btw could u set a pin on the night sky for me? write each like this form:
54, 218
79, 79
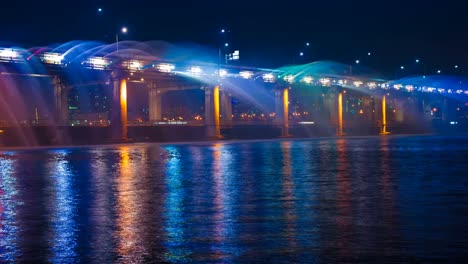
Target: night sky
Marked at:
268, 33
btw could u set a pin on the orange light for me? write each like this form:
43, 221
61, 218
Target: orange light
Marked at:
216, 110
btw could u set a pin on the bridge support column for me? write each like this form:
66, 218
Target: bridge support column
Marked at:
212, 121
155, 107
445, 110
340, 131
226, 109
60, 101
383, 128
282, 110
399, 110
119, 109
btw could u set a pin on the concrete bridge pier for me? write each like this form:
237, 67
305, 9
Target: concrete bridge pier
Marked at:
119, 108
226, 109
155, 107
212, 107
61, 92
384, 124
334, 101
400, 110
282, 110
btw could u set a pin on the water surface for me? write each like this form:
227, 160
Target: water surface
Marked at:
353, 200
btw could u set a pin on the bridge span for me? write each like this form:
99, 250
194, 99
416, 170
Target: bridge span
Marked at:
324, 93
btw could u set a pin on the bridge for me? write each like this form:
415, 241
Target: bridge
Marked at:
326, 93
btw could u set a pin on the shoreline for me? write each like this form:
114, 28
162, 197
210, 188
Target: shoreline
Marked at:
222, 141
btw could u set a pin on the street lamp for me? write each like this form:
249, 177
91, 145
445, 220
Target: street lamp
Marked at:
124, 30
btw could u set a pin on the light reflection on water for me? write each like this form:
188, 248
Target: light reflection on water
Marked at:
62, 208
357, 200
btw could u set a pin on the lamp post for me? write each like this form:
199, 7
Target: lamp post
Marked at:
124, 30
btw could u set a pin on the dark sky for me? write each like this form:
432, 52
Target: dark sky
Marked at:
268, 33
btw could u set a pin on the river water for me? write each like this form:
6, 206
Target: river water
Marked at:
389, 199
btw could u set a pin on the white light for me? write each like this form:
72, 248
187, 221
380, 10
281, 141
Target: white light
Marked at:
52, 58
289, 78
409, 87
372, 85
402, 67
306, 122
397, 86
438, 71
456, 66
368, 54
268, 77
307, 44
246, 74
195, 70
99, 10
124, 30
307, 79
357, 61
223, 73
98, 62
8, 54
222, 30
301, 54
325, 81
453, 122
165, 67
135, 65
226, 44
235, 55
417, 61
357, 83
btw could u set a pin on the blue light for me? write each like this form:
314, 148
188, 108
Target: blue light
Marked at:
226, 44
99, 10
307, 44
222, 30
357, 61
438, 71
402, 67
417, 60
456, 66
301, 54
368, 54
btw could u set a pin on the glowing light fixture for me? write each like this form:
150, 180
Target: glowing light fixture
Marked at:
307, 79
289, 78
165, 67
268, 77
97, 63
409, 87
195, 70
357, 61
325, 81
246, 74
357, 83
8, 54
52, 58
372, 85
124, 29
223, 73
134, 65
